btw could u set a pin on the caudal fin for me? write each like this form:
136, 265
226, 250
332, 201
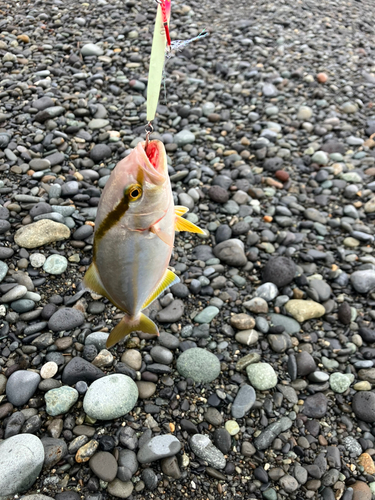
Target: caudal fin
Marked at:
128, 325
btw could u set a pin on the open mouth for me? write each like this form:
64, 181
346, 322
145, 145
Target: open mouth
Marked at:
152, 153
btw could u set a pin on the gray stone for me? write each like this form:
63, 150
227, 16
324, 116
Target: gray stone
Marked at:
198, 364
21, 460
291, 325
231, 252
91, 49
244, 401
202, 446
21, 386
280, 271
184, 137
65, 319
54, 450
363, 281
265, 439
110, 397
159, 447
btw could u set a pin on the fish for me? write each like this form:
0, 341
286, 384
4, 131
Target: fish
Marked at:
134, 237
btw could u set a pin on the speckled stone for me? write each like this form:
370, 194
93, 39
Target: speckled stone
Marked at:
110, 397
198, 364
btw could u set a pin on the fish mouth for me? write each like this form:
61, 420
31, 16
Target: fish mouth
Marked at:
155, 161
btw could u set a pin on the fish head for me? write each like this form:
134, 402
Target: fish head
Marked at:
138, 192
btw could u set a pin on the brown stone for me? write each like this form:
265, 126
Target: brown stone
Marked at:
242, 321
87, 451
367, 463
322, 77
361, 491
63, 343
282, 175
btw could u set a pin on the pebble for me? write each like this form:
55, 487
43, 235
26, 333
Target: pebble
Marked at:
303, 310
243, 402
55, 264
199, 365
21, 386
104, 466
60, 400
21, 461
261, 376
65, 319
364, 406
42, 232
202, 446
110, 397
158, 447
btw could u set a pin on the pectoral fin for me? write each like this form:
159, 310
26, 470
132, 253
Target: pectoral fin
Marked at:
185, 225
127, 325
166, 238
93, 282
168, 280
180, 210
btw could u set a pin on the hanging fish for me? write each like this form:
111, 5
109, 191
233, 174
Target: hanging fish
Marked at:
134, 237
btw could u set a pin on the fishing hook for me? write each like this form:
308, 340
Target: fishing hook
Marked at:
148, 133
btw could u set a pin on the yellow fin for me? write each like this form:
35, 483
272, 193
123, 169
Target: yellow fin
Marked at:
93, 282
168, 280
128, 325
185, 225
168, 240
180, 210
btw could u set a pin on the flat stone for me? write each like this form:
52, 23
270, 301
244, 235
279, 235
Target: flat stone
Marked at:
364, 406
303, 310
21, 461
104, 465
42, 232
243, 402
158, 447
66, 318
363, 281
120, 489
266, 438
110, 397
206, 315
91, 49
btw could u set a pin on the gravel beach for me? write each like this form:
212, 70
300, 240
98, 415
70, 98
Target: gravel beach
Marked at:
260, 385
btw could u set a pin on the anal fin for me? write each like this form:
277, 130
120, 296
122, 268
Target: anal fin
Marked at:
168, 280
127, 325
185, 225
93, 282
180, 210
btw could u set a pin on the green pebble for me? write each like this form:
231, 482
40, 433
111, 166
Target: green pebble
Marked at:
60, 400
198, 364
207, 315
262, 376
340, 382
55, 264
270, 494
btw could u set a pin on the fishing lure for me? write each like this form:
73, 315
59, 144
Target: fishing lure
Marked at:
160, 41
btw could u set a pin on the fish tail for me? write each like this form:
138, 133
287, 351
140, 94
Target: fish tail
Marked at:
128, 324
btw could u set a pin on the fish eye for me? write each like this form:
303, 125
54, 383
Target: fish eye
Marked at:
134, 192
